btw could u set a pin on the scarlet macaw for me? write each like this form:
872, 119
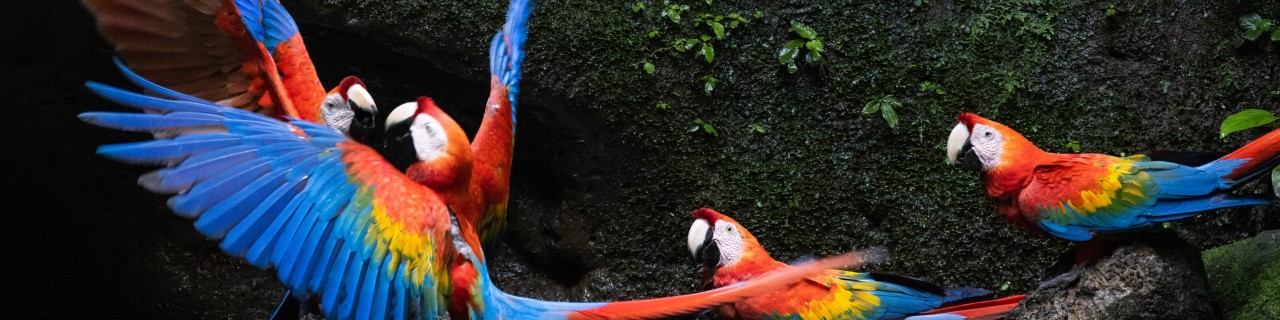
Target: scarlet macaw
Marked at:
732, 255
339, 221
494, 143
1074, 196
246, 54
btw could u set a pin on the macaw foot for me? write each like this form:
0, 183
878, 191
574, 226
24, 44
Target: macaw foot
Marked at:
1065, 279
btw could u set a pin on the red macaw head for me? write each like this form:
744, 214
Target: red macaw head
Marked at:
350, 109
984, 145
429, 146
716, 240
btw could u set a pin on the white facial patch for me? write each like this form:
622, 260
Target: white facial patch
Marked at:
428, 137
697, 233
335, 113
361, 98
988, 144
400, 114
730, 242
954, 142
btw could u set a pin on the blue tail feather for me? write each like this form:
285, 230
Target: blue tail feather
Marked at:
1169, 210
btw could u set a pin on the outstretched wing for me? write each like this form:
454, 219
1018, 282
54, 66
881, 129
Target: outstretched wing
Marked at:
330, 214
241, 53
494, 142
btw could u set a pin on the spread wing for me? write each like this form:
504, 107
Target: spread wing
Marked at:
241, 53
1074, 196
329, 214
494, 142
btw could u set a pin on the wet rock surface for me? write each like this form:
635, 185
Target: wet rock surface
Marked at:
1155, 275
604, 181
1244, 277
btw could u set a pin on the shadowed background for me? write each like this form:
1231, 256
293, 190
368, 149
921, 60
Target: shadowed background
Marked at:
604, 180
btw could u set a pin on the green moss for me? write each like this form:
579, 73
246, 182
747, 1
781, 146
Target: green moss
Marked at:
824, 178
1244, 277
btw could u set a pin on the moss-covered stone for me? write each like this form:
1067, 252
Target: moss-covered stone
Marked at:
1244, 277
605, 180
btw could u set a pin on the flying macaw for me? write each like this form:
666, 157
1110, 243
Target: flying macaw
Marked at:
339, 221
732, 254
246, 54
1074, 196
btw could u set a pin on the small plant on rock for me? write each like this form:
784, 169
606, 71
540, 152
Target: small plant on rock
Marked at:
809, 40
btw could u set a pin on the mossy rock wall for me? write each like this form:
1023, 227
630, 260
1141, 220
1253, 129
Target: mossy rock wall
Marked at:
605, 180
1244, 277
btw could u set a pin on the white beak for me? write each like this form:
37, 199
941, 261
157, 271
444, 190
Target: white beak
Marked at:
358, 95
400, 114
697, 235
956, 141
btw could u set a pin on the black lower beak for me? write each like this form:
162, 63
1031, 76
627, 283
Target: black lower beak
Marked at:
364, 126
709, 253
969, 158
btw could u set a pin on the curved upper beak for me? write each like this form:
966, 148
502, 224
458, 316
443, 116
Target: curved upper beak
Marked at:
960, 150
702, 248
365, 126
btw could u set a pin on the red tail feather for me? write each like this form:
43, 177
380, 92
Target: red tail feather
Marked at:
1260, 152
686, 304
981, 310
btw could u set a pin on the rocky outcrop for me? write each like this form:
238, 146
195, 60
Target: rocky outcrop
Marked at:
1148, 276
1244, 277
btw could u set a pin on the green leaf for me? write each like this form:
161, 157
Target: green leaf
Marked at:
705, 38
708, 1
1275, 181
684, 44
1073, 145
1254, 26
803, 30
710, 129
718, 29
648, 67
1247, 119
637, 7
815, 56
789, 51
662, 105
708, 51
1275, 36
814, 45
872, 106
757, 128
709, 84
653, 33
733, 24
791, 67
889, 116
758, 14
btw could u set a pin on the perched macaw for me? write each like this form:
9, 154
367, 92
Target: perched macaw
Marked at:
732, 254
1074, 196
339, 221
494, 142
246, 54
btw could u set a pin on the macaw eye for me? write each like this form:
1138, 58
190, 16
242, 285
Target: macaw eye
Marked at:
987, 134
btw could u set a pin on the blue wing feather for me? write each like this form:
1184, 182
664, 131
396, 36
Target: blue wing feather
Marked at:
272, 196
